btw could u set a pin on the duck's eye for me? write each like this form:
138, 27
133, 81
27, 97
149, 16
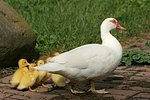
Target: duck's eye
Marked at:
25, 62
113, 21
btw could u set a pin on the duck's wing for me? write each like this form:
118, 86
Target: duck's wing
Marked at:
83, 56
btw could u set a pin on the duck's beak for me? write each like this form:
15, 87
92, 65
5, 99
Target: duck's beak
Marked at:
120, 27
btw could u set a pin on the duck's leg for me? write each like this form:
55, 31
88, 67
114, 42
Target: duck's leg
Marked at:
92, 89
55, 85
75, 91
37, 86
31, 89
44, 85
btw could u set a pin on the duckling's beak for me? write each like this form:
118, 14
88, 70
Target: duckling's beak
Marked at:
28, 64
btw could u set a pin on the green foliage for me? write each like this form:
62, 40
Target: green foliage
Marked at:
66, 24
1, 81
134, 57
134, 44
147, 44
125, 87
141, 39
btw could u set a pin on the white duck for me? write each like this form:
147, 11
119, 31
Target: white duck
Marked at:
89, 63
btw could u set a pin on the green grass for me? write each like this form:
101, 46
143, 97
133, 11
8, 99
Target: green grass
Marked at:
66, 24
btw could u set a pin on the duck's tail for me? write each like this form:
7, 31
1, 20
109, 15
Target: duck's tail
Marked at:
51, 67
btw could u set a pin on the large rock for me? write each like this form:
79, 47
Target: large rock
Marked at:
17, 38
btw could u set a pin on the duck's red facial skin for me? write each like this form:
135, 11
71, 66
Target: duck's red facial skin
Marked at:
113, 21
117, 24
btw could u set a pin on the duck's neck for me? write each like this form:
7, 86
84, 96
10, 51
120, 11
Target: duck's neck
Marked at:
110, 41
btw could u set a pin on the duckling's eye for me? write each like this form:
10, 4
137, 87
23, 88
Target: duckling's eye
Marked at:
24, 62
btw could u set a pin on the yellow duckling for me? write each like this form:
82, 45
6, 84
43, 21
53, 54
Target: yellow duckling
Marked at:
48, 59
28, 79
41, 73
47, 76
56, 53
20, 72
58, 80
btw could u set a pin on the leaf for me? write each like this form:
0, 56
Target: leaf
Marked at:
147, 44
136, 57
126, 52
127, 61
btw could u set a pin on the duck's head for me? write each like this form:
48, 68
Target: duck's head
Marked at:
111, 23
40, 63
32, 65
23, 63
